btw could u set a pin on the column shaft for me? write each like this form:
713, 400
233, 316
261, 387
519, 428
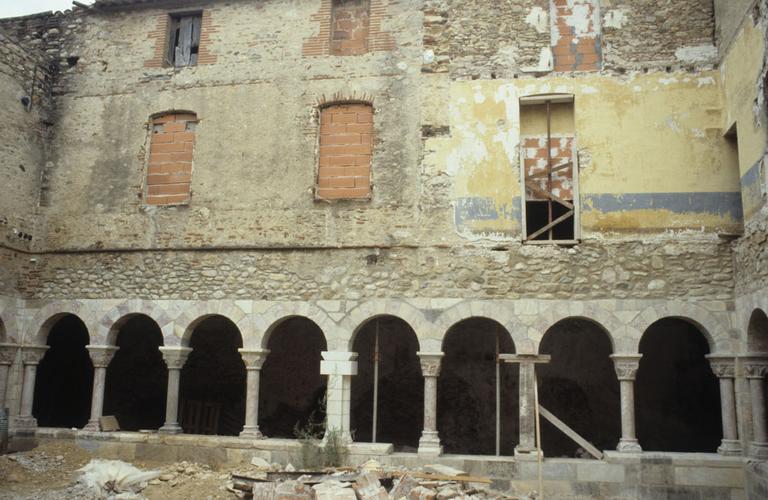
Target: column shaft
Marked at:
758, 410
626, 366
429, 443
253, 360
97, 398
4, 369
527, 424
171, 425
28, 390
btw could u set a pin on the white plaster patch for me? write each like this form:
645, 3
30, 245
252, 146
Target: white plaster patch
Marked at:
698, 133
539, 19
546, 61
429, 56
586, 89
583, 19
673, 124
668, 81
479, 97
697, 54
615, 18
470, 151
705, 80
637, 88
508, 134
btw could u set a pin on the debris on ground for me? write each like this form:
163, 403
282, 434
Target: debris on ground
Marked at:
56, 470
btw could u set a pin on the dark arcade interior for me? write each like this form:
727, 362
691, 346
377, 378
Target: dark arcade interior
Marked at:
677, 397
64, 381
466, 389
137, 377
400, 413
212, 392
292, 390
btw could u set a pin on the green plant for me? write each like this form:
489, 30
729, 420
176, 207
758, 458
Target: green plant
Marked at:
320, 447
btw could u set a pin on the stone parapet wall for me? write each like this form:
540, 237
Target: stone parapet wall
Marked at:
594, 269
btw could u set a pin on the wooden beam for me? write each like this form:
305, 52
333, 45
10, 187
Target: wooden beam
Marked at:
570, 433
551, 224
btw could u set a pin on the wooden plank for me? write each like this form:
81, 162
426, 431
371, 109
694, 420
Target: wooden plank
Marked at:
551, 224
570, 433
544, 173
184, 46
536, 189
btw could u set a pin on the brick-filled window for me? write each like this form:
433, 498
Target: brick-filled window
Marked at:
350, 23
169, 173
346, 148
576, 35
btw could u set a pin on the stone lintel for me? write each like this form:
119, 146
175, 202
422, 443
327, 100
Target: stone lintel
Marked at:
338, 363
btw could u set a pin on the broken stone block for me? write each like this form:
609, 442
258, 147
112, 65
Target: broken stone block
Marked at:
334, 490
260, 463
368, 487
443, 470
403, 487
422, 493
263, 491
293, 490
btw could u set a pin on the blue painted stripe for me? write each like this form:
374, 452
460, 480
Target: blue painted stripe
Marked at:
484, 208
751, 176
719, 203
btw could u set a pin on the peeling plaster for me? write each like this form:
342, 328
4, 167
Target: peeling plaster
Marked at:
615, 18
539, 19
707, 80
697, 54
546, 62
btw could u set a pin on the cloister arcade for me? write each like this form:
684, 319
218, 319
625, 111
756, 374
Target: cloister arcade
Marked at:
662, 381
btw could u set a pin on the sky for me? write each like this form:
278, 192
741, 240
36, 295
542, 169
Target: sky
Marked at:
12, 8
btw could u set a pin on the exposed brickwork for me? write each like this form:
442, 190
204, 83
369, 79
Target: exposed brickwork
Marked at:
576, 35
535, 158
160, 36
169, 173
350, 23
355, 38
346, 146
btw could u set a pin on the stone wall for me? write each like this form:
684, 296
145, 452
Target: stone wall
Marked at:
694, 269
751, 258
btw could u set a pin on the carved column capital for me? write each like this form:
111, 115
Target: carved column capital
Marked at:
101, 355
755, 365
32, 354
175, 357
626, 365
723, 365
430, 363
253, 358
8, 353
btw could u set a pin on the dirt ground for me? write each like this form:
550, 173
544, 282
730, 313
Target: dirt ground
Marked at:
50, 472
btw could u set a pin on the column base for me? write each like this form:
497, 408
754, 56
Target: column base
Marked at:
24, 425
729, 448
251, 433
525, 453
429, 444
93, 426
173, 428
758, 450
629, 446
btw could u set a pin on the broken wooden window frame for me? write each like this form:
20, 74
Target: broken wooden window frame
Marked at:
573, 207
183, 38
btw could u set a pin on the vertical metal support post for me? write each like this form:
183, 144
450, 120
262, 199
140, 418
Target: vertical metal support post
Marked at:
375, 383
498, 396
549, 165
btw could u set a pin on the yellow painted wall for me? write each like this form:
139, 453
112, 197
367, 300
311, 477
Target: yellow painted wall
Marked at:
654, 133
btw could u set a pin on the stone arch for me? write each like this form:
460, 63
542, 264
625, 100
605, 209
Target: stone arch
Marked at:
115, 318
603, 318
195, 314
713, 329
487, 310
276, 315
757, 331
46, 317
364, 313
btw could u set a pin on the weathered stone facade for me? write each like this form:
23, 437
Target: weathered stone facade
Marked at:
431, 228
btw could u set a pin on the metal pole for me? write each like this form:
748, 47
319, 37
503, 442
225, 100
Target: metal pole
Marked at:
375, 382
498, 397
539, 451
549, 165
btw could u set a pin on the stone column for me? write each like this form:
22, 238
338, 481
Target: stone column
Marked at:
724, 367
626, 366
30, 357
755, 369
527, 444
174, 358
254, 360
429, 443
340, 366
7, 355
101, 355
